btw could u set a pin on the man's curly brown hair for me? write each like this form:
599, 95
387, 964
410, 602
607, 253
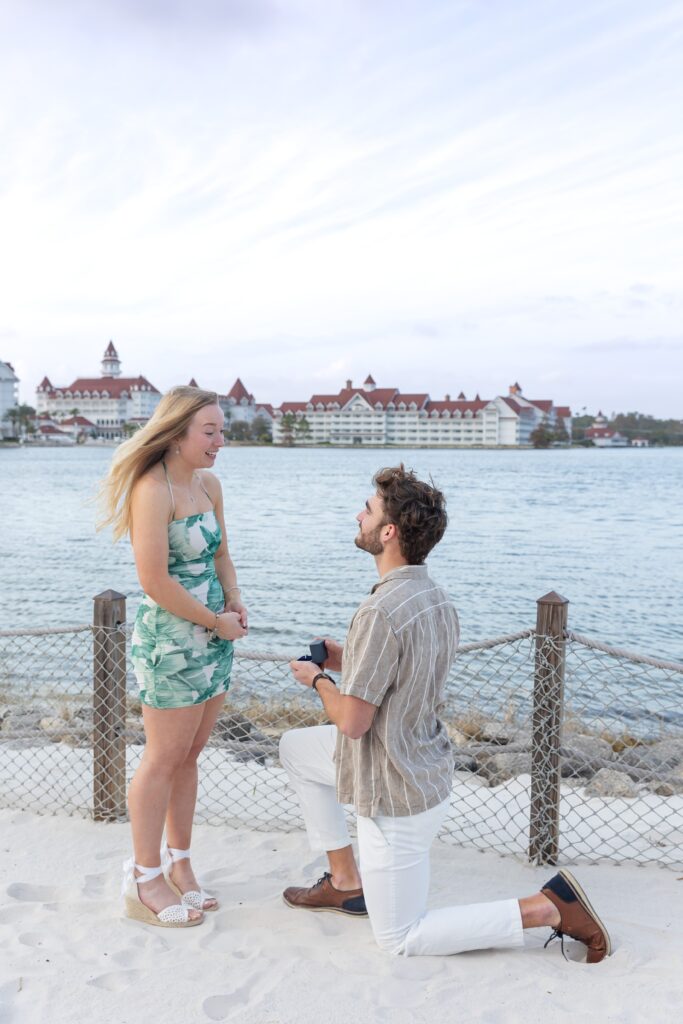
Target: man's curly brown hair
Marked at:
417, 510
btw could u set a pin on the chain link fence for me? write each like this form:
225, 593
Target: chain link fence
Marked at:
565, 749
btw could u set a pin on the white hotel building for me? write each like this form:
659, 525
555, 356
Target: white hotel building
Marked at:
107, 401
371, 415
9, 397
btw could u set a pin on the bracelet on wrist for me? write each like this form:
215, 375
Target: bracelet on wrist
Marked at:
213, 630
320, 675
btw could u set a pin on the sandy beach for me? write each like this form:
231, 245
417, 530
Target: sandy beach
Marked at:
69, 956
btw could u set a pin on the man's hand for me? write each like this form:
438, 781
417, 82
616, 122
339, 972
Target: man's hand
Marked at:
334, 655
304, 671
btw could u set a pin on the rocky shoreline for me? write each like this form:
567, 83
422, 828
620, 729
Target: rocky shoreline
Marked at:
490, 752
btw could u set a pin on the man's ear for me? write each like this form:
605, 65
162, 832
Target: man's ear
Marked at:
389, 531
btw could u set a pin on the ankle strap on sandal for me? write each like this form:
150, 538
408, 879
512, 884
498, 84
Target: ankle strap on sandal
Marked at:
130, 878
179, 854
145, 874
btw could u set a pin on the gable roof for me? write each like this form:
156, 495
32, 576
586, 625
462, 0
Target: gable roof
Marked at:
544, 404
238, 392
114, 386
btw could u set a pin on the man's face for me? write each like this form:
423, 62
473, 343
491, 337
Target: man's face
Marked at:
371, 521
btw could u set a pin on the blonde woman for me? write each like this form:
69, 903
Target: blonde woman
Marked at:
161, 491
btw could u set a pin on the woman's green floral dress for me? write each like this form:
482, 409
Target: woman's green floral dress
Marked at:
175, 662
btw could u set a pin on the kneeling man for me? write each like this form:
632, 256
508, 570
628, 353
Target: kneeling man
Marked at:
388, 754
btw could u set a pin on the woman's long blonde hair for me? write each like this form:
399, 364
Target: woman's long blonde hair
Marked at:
144, 449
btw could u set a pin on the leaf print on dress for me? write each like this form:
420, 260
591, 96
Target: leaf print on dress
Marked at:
175, 662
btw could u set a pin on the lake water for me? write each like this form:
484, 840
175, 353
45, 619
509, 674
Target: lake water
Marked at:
603, 528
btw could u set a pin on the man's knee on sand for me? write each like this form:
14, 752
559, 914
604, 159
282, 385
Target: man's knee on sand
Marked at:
392, 942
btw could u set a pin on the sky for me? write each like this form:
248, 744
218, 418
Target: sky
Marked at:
452, 196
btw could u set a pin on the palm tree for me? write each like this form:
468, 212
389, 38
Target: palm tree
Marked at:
12, 415
26, 415
287, 428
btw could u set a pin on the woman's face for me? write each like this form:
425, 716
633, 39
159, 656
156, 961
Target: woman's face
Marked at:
204, 437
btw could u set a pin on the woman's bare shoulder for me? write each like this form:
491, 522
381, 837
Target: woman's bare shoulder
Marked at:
151, 486
211, 482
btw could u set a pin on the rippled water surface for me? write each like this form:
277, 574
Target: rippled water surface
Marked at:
604, 528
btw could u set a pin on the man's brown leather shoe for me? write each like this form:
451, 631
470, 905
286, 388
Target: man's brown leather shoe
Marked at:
577, 917
324, 896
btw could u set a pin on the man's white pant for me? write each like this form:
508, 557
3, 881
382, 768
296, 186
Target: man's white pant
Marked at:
394, 861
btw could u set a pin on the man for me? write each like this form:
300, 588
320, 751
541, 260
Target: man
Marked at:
387, 753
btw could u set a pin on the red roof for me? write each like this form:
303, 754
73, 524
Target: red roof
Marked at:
113, 385
515, 406
369, 380
292, 407
265, 407
563, 410
381, 395
193, 384
452, 407
111, 351
45, 385
47, 428
600, 432
542, 403
407, 399
77, 421
238, 392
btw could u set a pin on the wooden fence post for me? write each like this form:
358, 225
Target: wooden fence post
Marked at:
109, 707
544, 811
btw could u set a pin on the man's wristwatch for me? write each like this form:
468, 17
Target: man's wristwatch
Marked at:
321, 675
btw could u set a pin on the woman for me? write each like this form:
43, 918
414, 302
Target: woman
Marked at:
161, 491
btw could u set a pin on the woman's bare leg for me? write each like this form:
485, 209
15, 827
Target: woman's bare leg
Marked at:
170, 734
183, 797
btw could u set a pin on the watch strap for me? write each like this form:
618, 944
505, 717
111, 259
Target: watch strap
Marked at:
320, 675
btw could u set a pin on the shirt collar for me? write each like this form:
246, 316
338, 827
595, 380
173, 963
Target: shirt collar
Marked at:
410, 572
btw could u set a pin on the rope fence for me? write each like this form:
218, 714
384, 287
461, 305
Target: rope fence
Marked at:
566, 749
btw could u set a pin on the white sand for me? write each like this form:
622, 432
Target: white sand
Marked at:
66, 954
642, 829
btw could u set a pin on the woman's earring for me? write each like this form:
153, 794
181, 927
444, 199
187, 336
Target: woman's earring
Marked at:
177, 449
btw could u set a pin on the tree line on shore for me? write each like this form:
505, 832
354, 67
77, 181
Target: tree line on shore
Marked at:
629, 424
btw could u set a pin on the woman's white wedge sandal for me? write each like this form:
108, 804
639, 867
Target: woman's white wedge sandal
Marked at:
175, 916
194, 898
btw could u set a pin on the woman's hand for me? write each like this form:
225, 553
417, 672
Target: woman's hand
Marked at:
238, 607
229, 626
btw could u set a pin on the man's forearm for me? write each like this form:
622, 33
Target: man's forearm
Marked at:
352, 716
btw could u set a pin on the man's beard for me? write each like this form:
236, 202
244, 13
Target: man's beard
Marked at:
370, 542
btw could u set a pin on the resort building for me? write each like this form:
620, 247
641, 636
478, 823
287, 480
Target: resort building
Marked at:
9, 398
377, 416
240, 406
108, 401
603, 436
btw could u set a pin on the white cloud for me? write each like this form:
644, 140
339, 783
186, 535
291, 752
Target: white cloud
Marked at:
297, 193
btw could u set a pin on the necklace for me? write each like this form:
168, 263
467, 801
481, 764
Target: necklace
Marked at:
188, 490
